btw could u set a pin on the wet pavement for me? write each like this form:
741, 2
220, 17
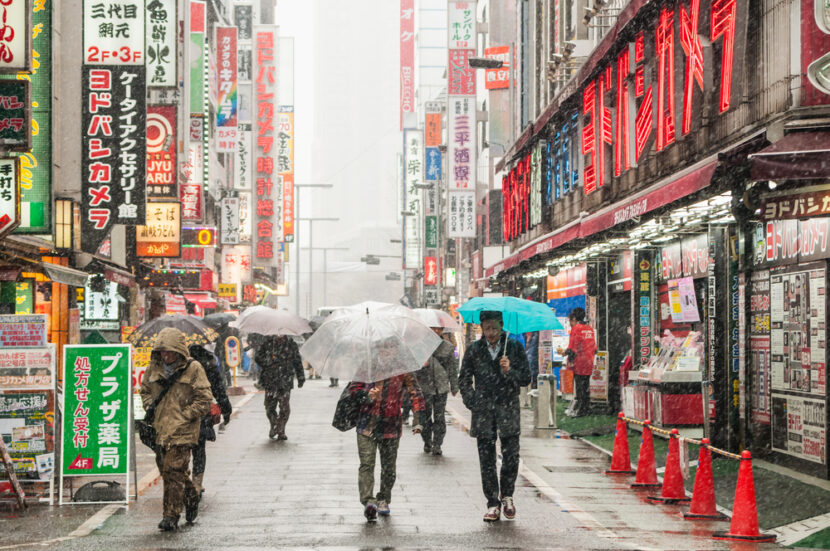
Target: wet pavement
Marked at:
302, 493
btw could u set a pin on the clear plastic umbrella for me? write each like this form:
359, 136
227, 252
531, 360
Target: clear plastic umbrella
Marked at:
437, 318
267, 321
370, 346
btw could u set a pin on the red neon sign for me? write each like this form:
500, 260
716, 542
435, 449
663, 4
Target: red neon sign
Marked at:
665, 79
723, 15
690, 41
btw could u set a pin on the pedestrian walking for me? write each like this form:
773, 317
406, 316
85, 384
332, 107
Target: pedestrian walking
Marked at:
206, 431
437, 378
278, 358
379, 429
493, 370
178, 416
582, 346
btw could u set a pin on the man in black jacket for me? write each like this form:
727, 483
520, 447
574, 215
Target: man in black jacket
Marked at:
278, 358
492, 372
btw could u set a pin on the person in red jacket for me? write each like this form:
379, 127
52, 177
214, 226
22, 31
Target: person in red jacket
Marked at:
582, 347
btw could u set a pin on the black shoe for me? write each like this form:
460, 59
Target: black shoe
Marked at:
370, 512
273, 432
191, 507
436, 450
168, 524
427, 448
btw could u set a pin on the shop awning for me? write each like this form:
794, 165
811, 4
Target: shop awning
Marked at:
796, 156
62, 274
202, 300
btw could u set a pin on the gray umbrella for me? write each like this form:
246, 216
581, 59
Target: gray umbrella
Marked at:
218, 320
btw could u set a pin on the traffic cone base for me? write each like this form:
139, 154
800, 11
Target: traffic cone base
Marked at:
744, 525
673, 489
642, 485
760, 538
697, 516
668, 500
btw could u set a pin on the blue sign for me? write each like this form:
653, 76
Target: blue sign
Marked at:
433, 165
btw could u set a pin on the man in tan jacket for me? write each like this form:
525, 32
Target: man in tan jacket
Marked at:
178, 417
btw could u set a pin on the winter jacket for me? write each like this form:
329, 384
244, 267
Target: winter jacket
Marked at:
382, 418
440, 375
279, 362
217, 389
583, 346
179, 415
493, 396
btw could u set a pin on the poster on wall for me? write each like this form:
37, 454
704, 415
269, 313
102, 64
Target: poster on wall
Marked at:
683, 300
799, 427
598, 385
759, 346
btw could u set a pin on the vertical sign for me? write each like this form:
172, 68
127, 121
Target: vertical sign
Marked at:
113, 150
227, 101
15, 36
285, 165
36, 164
267, 213
413, 179
461, 77
9, 196
230, 221
191, 190
461, 214
96, 406
644, 307
461, 26
495, 79
197, 57
113, 32
161, 236
245, 216
15, 123
462, 140
430, 270
407, 58
243, 158
431, 232
161, 42
161, 151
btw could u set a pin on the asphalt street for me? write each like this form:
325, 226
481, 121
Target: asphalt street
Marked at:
302, 493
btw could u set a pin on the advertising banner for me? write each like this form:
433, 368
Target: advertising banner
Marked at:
9, 195
407, 58
461, 212
431, 232
243, 159
267, 212
161, 32
462, 25
285, 163
430, 270
27, 368
598, 385
27, 427
161, 236
683, 301
161, 151
495, 79
461, 78
197, 57
227, 80
462, 139
16, 36
243, 18
230, 220
432, 171
23, 331
432, 124
236, 264
191, 194
799, 427
15, 118
96, 405
246, 223
113, 32
113, 150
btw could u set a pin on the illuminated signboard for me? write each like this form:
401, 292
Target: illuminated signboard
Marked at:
199, 237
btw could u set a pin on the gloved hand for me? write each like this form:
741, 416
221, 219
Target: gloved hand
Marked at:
227, 418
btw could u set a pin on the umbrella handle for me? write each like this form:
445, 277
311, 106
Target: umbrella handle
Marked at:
506, 336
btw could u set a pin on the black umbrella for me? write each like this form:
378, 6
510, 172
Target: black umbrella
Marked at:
218, 320
194, 329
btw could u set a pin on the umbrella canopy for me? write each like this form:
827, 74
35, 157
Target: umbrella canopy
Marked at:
437, 318
218, 320
315, 322
194, 329
371, 306
370, 346
519, 315
267, 321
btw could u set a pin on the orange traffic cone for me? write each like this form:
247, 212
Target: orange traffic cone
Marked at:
703, 496
620, 460
646, 468
673, 490
744, 525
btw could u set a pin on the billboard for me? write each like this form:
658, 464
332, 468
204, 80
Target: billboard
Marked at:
227, 92
160, 237
462, 143
113, 32
160, 41
161, 151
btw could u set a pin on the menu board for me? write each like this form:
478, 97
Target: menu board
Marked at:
798, 356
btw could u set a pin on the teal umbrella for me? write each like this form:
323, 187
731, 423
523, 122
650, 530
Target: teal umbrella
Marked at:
519, 315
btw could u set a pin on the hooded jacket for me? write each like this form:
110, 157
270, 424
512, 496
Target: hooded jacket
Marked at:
178, 416
440, 375
279, 362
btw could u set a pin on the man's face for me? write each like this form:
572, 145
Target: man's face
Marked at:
491, 330
168, 356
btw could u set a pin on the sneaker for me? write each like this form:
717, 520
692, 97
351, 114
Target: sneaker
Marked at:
493, 514
383, 508
168, 524
282, 436
436, 450
509, 508
191, 507
370, 512
427, 448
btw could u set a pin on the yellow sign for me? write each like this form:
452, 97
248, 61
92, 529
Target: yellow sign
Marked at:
227, 290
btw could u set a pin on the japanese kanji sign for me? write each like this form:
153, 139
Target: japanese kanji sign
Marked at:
101, 305
161, 151
267, 212
191, 190
498, 78
113, 150
462, 143
461, 78
235, 264
461, 214
407, 58
113, 32
15, 36
96, 409
432, 124
230, 220
413, 171
227, 81
462, 25
243, 159
18, 330
161, 42
430, 270
431, 232
15, 117
161, 236
285, 162
9, 196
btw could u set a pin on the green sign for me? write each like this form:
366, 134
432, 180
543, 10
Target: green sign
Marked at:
36, 163
197, 73
24, 298
431, 230
96, 411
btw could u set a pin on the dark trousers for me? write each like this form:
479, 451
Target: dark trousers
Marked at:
434, 424
491, 483
199, 458
279, 419
173, 463
583, 394
368, 449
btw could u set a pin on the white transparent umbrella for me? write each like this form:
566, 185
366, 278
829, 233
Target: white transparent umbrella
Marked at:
437, 318
267, 321
370, 346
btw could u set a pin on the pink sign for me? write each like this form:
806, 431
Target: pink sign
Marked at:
407, 58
